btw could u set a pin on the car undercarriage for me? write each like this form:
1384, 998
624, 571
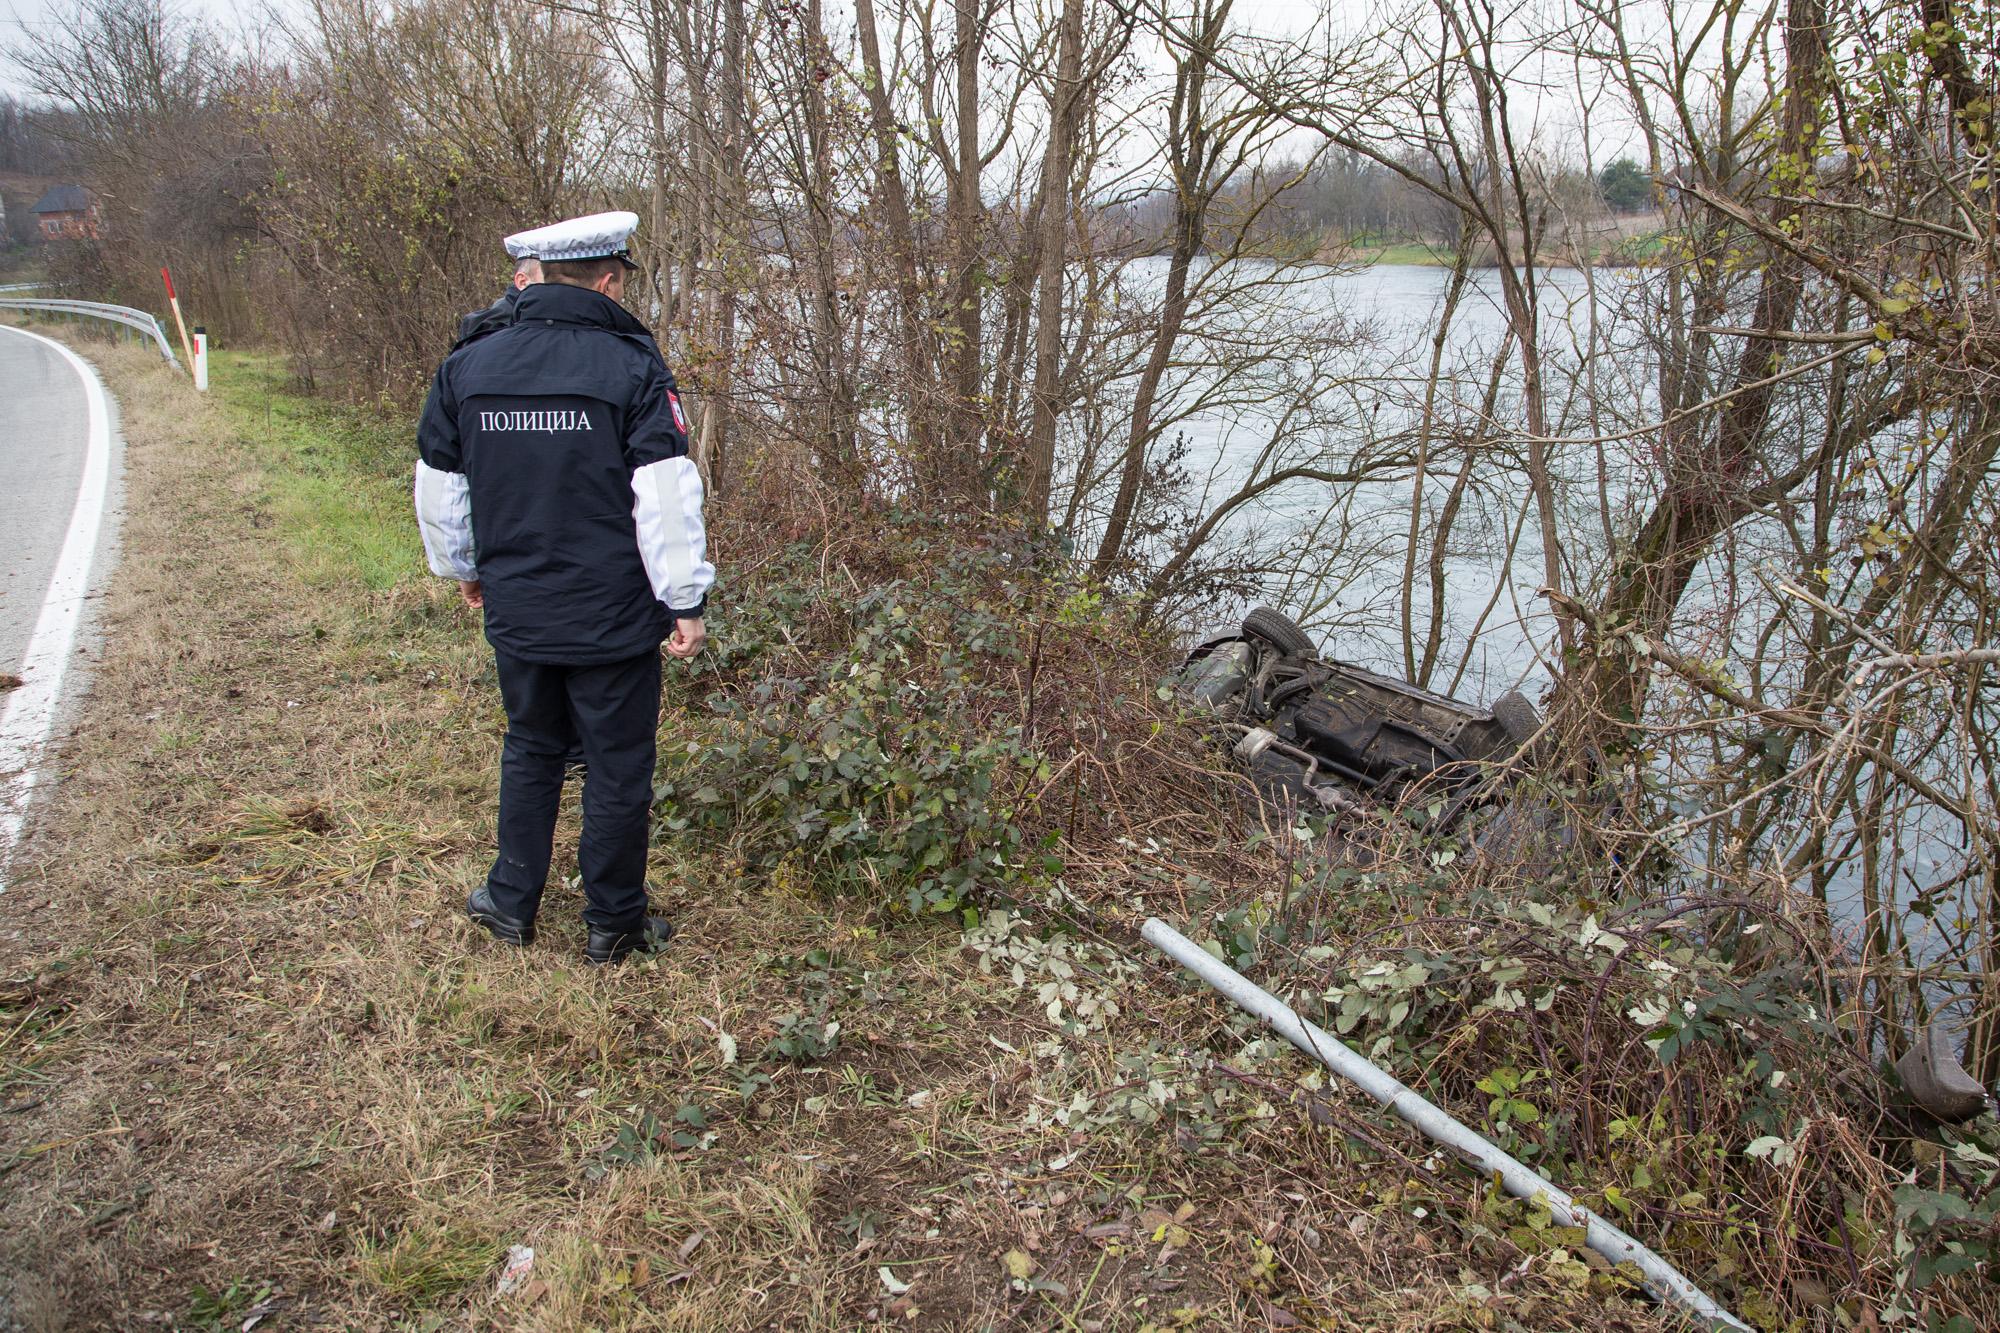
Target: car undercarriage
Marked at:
1314, 730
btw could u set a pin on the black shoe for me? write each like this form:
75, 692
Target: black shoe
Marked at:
608, 946
508, 930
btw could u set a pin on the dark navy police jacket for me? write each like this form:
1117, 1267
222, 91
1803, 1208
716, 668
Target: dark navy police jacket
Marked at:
490, 319
552, 467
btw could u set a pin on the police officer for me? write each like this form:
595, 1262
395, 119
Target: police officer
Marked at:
527, 271
553, 483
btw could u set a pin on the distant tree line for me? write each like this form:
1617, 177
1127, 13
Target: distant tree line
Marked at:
1339, 198
32, 139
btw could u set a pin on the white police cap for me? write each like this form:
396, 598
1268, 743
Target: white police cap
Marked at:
598, 236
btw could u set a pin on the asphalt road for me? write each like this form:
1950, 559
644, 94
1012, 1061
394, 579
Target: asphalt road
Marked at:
59, 494
42, 425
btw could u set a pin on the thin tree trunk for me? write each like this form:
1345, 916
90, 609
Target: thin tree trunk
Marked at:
894, 199
1514, 235
1707, 486
660, 269
698, 208
1188, 149
836, 448
1010, 370
1426, 429
1038, 474
734, 150
966, 206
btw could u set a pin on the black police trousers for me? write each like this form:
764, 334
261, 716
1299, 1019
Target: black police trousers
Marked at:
613, 711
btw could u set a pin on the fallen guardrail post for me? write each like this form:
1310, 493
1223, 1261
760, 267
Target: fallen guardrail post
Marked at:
140, 320
1662, 1279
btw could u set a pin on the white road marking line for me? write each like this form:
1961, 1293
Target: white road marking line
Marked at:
31, 711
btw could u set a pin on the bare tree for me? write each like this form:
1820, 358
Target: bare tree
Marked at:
392, 192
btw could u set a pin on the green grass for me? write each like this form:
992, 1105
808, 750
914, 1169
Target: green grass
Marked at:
1652, 248
426, 1263
1406, 252
224, 1309
338, 480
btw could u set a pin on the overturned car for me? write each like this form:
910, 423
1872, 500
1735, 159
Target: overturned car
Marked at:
1316, 730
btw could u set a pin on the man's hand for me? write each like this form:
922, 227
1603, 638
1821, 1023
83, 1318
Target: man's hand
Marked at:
688, 637
472, 594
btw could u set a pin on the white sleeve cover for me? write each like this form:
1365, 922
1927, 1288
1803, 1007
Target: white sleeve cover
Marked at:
666, 507
444, 515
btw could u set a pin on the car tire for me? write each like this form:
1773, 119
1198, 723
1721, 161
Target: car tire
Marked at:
1280, 631
1517, 717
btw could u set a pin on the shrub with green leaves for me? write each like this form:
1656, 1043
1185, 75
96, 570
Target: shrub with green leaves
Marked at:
1948, 1228
892, 769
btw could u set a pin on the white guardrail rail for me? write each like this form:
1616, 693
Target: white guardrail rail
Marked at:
11, 298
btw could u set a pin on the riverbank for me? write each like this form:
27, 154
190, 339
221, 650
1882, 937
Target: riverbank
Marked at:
258, 1066
1635, 240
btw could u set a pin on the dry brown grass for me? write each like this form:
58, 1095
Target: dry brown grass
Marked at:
254, 1058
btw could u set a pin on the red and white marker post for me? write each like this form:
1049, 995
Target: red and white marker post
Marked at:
201, 358
181, 324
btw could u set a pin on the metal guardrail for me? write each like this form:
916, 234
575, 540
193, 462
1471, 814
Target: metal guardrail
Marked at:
140, 320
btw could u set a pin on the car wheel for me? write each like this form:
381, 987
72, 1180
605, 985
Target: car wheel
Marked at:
1517, 717
1280, 631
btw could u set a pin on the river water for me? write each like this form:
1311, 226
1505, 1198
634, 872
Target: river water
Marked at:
1317, 367
1354, 350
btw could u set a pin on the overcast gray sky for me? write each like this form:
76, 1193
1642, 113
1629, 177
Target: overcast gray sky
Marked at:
1549, 118
19, 15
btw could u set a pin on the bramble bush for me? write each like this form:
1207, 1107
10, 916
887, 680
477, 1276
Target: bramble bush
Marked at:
1683, 1064
892, 765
